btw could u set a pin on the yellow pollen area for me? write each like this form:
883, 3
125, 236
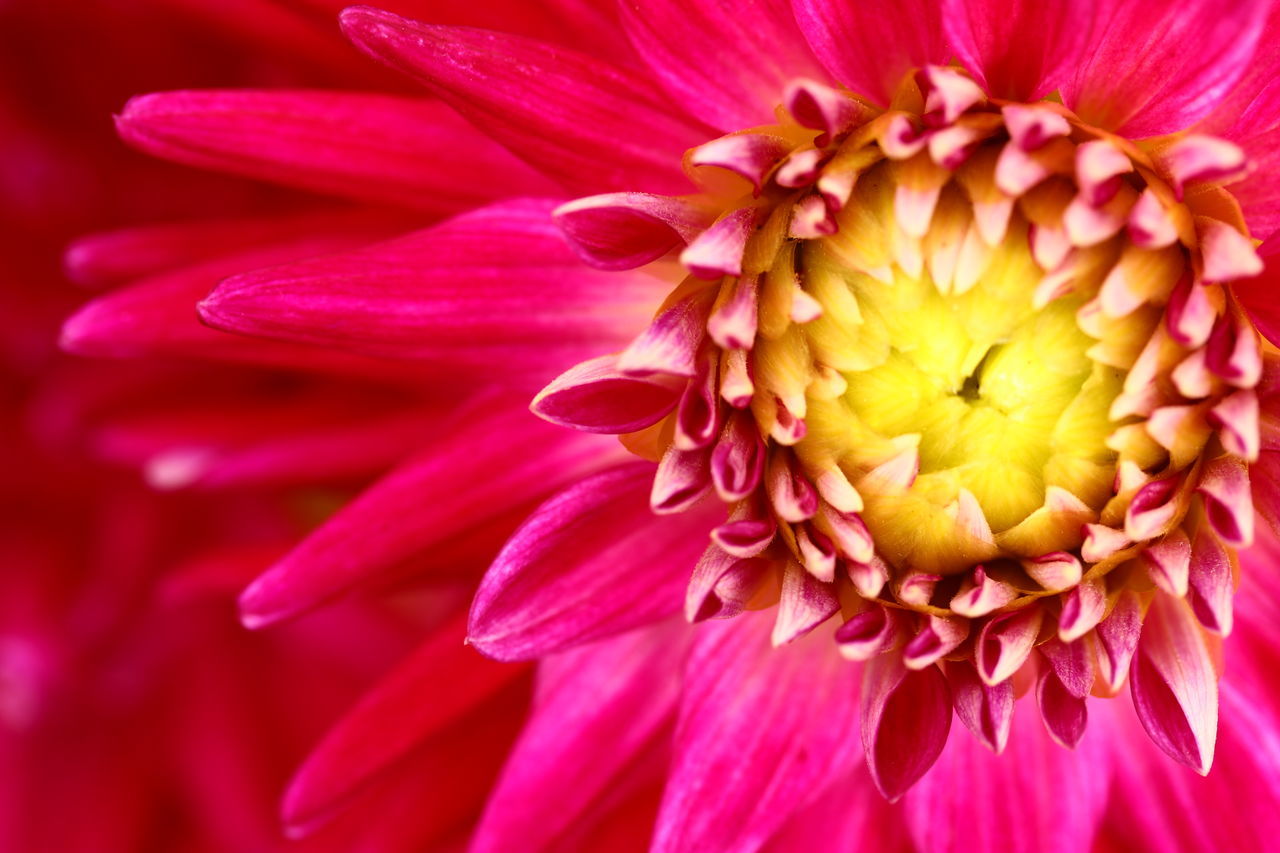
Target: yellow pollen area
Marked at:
998, 398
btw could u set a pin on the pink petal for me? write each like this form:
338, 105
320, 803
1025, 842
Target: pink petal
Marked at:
760, 730
721, 584
524, 291
757, 49
1174, 685
986, 711
592, 126
718, 250
682, 478
1118, 636
906, 716
870, 46
439, 684
621, 231
737, 464
1065, 714
380, 148
1018, 50
805, 604
1006, 642
127, 253
467, 477
966, 803
1139, 79
1256, 128
869, 633
1210, 582
671, 342
589, 563
597, 709
1228, 503
597, 397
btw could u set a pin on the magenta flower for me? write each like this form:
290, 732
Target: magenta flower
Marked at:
945, 375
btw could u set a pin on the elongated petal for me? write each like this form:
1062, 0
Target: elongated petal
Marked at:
589, 125
440, 683
499, 278
128, 253
757, 51
621, 231
986, 711
597, 397
596, 709
964, 804
870, 46
382, 148
591, 562
1140, 79
1018, 49
1256, 129
906, 716
760, 730
1174, 685
467, 478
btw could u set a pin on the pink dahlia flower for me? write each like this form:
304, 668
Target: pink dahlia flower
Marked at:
939, 334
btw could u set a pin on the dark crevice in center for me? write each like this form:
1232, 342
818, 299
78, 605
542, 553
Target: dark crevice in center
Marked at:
972, 383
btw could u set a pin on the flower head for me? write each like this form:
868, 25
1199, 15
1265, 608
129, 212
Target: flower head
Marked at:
943, 371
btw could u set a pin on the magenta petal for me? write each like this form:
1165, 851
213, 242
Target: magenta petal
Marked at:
1256, 129
1210, 584
1018, 50
805, 604
597, 397
986, 711
976, 802
870, 46
718, 250
737, 463
590, 125
439, 684
527, 300
1174, 685
1006, 642
1065, 714
380, 148
722, 584
621, 231
1140, 80
1228, 501
467, 477
670, 343
597, 709
1118, 636
589, 563
761, 730
906, 716
755, 49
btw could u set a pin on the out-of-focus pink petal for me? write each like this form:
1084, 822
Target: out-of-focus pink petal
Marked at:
154, 316
596, 710
500, 277
761, 730
382, 148
906, 716
1257, 130
466, 478
725, 62
591, 126
869, 46
1174, 685
591, 562
1019, 49
114, 256
1139, 77
967, 802
848, 813
440, 683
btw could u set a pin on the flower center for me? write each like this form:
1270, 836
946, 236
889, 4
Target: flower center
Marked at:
995, 396
964, 371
